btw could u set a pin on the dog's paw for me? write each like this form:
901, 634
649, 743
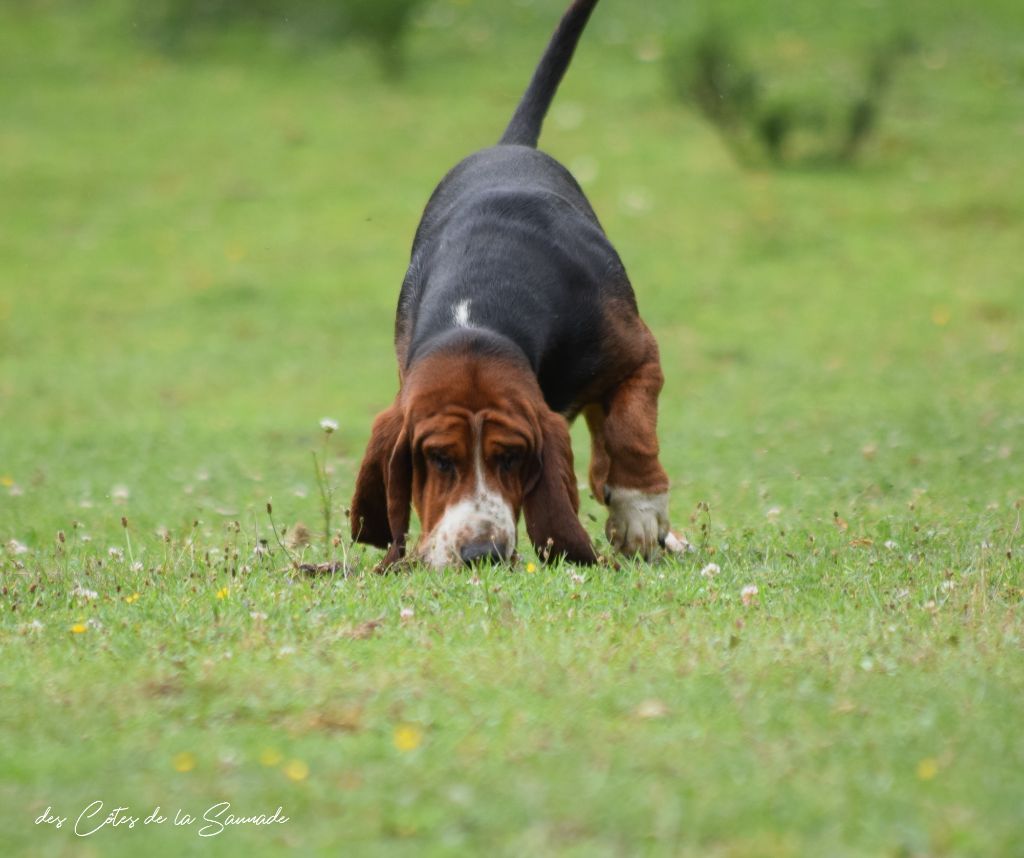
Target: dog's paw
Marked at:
637, 521
676, 543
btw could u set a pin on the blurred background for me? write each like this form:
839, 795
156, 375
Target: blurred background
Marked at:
208, 207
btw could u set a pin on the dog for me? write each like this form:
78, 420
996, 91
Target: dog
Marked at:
515, 317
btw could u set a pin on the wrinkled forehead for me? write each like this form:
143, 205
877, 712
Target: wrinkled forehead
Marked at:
461, 429
450, 428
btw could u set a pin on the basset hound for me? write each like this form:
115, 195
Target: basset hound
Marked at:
515, 316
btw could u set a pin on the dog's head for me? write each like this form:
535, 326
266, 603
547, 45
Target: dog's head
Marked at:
469, 443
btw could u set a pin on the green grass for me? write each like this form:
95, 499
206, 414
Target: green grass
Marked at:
199, 260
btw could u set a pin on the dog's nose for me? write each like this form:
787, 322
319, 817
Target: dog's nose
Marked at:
481, 552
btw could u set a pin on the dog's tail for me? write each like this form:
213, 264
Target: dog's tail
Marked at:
524, 129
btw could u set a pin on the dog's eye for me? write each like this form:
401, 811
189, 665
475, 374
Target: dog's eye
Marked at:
441, 463
509, 460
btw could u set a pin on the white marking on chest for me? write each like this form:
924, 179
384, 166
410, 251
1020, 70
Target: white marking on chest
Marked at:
460, 312
484, 516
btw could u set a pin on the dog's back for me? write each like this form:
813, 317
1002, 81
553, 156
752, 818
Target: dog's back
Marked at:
509, 246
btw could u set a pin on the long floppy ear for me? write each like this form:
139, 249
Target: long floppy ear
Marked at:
380, 506
551, 503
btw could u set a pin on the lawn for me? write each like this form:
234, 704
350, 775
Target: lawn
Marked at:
199, 260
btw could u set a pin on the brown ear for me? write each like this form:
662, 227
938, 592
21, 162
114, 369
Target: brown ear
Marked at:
551, 504
380, 506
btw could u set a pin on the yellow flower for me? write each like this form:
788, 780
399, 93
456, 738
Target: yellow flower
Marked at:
234, 252
270, 757
79, 628
6, 481
927, 769
222, 593
408, 737
531, 568
296, 770
132, 599
183, 762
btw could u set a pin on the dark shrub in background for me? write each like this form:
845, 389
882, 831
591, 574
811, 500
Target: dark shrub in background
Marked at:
179, 25
709, 74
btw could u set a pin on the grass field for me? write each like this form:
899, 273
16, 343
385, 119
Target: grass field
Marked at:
199, 259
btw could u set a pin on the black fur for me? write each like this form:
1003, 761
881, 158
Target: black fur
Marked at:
509, 230
524, 128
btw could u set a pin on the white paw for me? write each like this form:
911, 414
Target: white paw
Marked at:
637, 521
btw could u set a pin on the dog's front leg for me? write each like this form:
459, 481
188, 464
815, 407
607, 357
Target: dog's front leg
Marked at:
625, 473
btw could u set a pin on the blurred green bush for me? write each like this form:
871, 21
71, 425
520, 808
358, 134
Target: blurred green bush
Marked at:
176, 26
709, 74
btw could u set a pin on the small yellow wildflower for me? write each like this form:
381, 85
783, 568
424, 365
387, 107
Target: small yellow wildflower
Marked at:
6, 481
531, 568
408, 737
222, 593
132, 599
941, 316
183, 762
79, 628
296, 770
927, 769
270, 757
234, 252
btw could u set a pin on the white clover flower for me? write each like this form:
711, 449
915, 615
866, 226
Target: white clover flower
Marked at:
16, 547
120, 493
137, 566
710, 571
83, 593
649, 709
748, 594
115, 552
406, 613
329, 425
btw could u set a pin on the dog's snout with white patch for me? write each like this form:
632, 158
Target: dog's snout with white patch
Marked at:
479, 527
